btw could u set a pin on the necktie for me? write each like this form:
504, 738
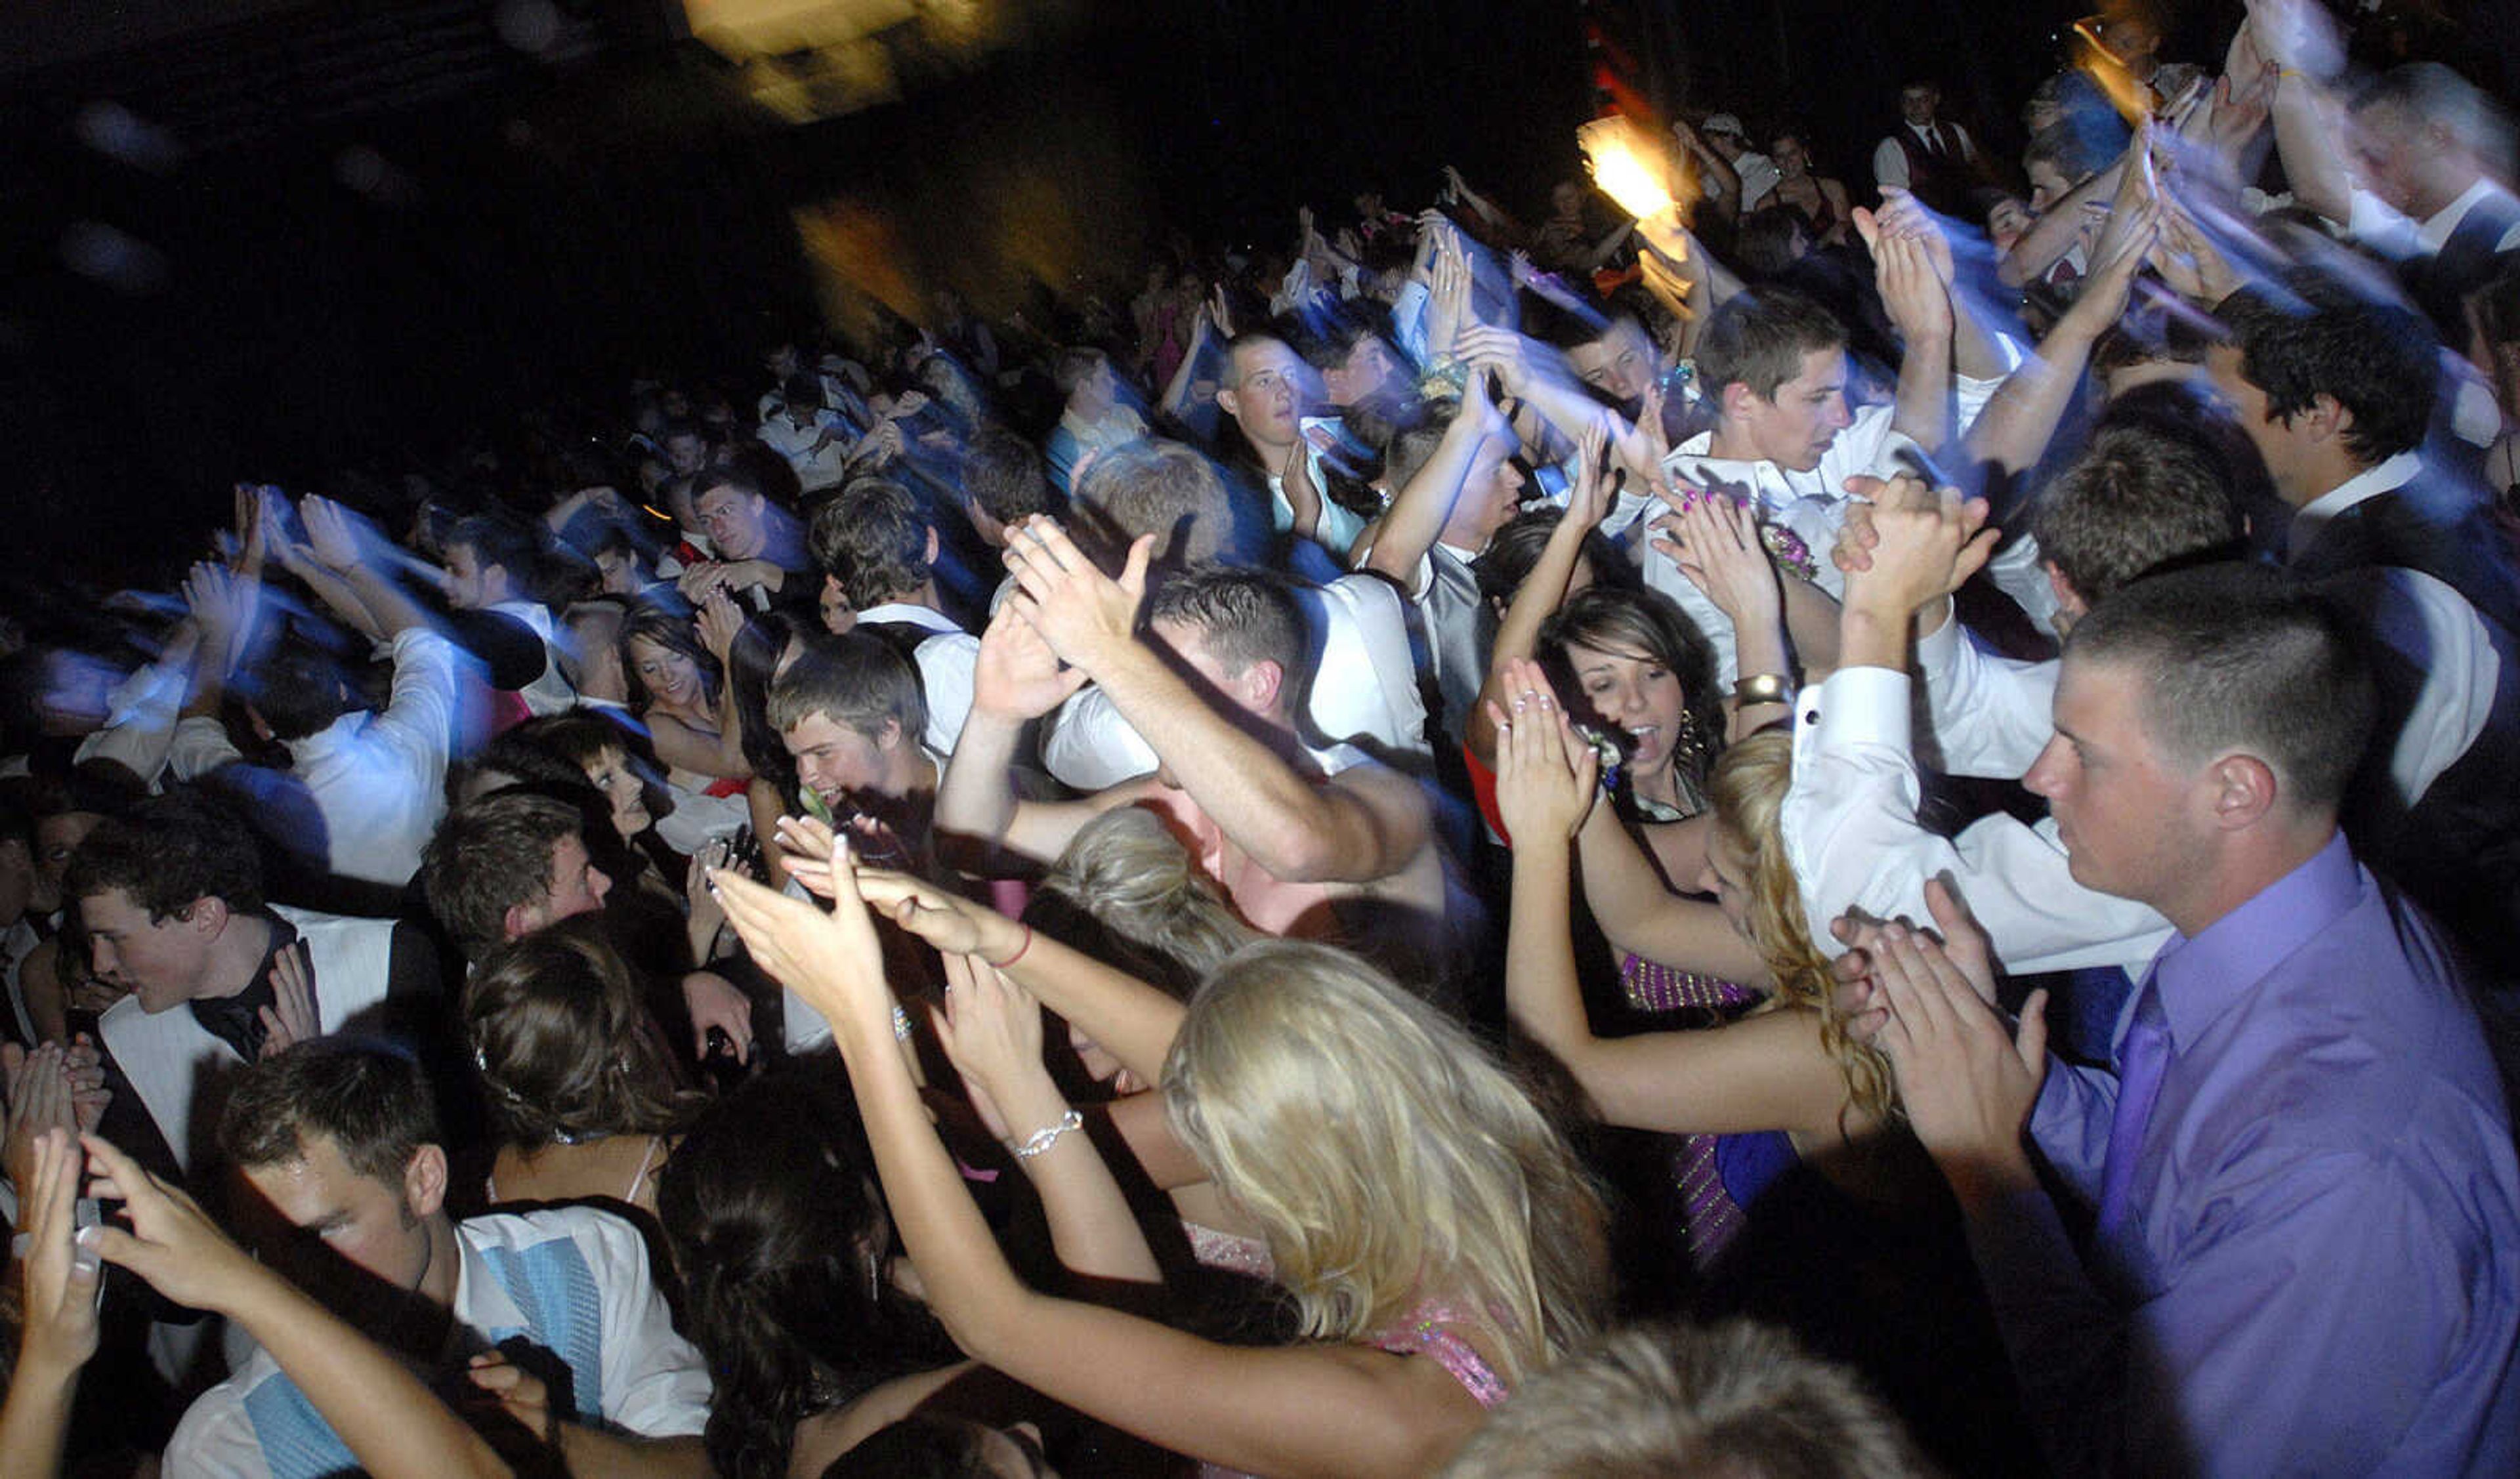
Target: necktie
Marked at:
1933, 141
2142, 1061
237, 1021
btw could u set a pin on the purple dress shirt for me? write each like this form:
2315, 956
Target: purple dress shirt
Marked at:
2319, 1271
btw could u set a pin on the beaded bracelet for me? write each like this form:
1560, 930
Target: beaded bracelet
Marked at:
1047, 1136
900, 1024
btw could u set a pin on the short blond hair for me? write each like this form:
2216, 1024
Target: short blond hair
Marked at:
1734, 1401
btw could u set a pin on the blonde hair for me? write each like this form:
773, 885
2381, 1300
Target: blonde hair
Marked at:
1748, 788
1384, 1155
1736, 1399
1144, 894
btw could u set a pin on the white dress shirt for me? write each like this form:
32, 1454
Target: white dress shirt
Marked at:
2394, 234
2431, 626
1812, 504
1363, 692
1851, 833
572, 1281
1890, 162
945, 662
1987, 715
377, 778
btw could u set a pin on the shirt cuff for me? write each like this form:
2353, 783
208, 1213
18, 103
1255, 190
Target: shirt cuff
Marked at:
1857, 705
1940, 647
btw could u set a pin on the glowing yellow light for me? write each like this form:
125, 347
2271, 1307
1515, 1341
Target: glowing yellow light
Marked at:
1627, 165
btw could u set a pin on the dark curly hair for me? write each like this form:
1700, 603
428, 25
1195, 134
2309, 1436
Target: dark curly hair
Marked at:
168, 852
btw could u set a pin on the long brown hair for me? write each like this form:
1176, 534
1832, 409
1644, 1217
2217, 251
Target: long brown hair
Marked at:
566, 1049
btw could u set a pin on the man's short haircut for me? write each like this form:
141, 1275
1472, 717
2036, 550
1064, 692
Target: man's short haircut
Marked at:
2430, 93
165, 853
2311, 335
593, 625
857, 681
2079, 145
1249, 339
490, 856
371, 1100
1412, 446
1565, 326
872, 539
1002, 473
1243, 616
2241, 657
297, 687
1760, 340
496, 540
1165, 488
1076, 365
1736, 1400
2134, 502
803, 388
739, 475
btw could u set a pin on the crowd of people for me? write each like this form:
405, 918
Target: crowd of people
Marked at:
1853, 828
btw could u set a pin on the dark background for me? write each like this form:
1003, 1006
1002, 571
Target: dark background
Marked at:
357, 234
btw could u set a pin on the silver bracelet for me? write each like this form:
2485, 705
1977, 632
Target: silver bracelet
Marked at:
1042, 1139
900, 1024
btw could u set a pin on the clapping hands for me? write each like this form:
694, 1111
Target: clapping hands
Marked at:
1546, 774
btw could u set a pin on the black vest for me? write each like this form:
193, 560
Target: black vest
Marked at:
1941, 180
2456, 851
2440, 284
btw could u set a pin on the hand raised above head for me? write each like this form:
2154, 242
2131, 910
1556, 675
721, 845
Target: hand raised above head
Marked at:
335, 534
1547, 775
1016, 675
59, 1319
950, 924
172, 1243
1085, 615
1928, 543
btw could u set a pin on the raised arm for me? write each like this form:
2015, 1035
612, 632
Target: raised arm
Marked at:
352, 552
1921, 309
2300, 41
2017, 423
1308, 1411
1016, 679
1136, 1021
1356, 829
392, 1423
1715, 542
56, 1330
991, 1028
1624, 890
1766, 1072
1419, 510
1543, 590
